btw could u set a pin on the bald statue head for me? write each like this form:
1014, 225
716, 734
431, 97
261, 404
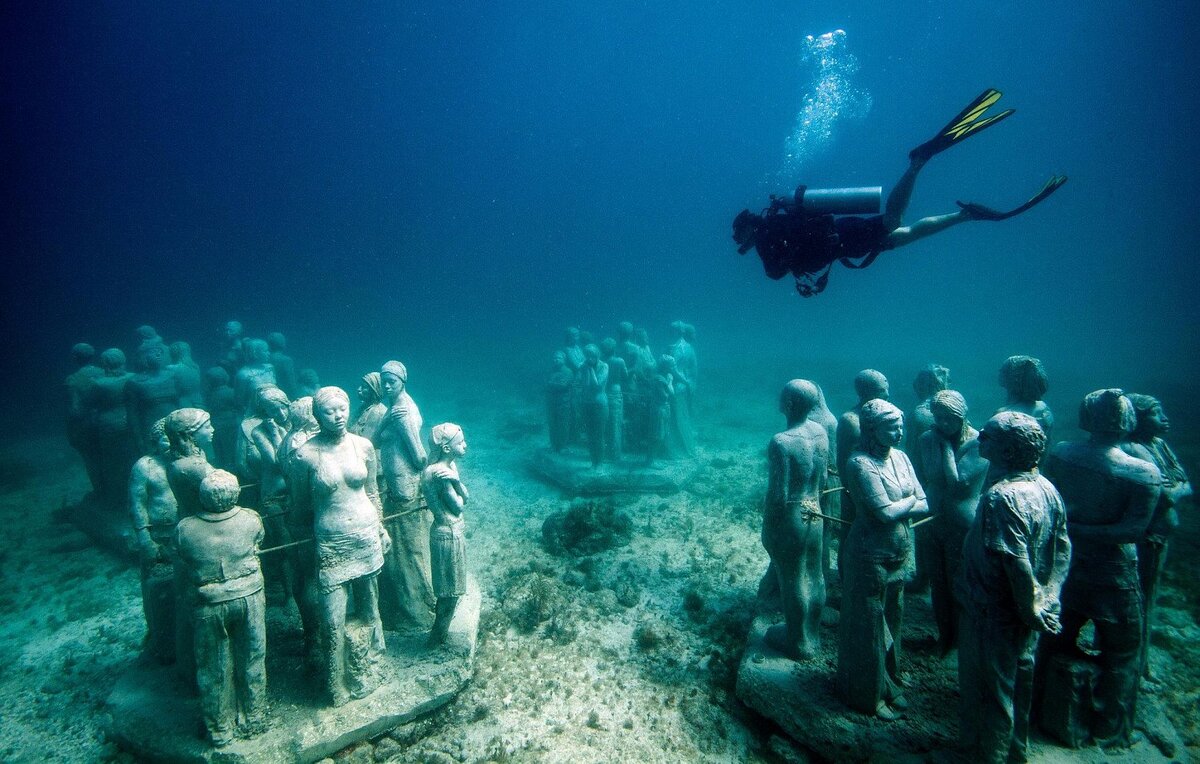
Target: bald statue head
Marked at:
871, 384
797, 399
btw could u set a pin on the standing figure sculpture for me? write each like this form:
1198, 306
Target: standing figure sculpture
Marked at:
1025, 382
232, 354
869, 384
218, 552
572, 352
447, 497
684, 354
370, 393
558, 403
1110, 498
222, 405
880, 479
188, 381
618, 374
256, 372
334, 481
107, 409
266, 440
952, 473
594, 404
1146, 442
929, 380
152, 394
285, 367
659, 392
406, 591
81, 432
793, 529
189, 433
155, 513
1015, 558
302, 426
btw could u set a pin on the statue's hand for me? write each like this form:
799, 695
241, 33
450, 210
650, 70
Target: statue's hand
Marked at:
385, 539
150, 552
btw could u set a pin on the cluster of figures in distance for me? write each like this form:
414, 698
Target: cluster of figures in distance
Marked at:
620, 399
243, 497
1022, 546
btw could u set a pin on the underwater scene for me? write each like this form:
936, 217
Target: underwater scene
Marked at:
591, 382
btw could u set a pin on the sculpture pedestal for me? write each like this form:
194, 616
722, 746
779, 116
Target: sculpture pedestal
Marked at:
154, 718
573, 472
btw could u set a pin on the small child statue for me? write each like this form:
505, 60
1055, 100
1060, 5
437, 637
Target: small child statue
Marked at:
218, 552
446, 495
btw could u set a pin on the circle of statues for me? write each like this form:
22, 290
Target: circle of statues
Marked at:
250, 485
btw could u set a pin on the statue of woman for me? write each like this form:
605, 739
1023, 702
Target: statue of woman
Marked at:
1146, 442
594, 405
558, 402
266, 440
187, 375
151, 395
618, 373
881, 481
953, 474
1024, 380
302, 426
370, 392
222, 404
407, 586
115, 440
335, 480
155, 513
81, 433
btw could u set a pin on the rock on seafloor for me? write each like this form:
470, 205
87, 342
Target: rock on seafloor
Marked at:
153, 717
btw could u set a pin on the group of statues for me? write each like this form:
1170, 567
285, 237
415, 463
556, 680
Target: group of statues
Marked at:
1015, 541
111, 407
359, 522
620, 399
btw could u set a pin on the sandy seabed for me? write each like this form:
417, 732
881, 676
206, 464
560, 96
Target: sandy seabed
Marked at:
626, 655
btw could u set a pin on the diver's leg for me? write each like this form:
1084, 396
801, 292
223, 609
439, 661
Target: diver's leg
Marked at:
926, 227
897, 201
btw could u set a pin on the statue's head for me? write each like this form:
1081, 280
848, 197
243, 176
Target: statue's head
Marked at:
949, 411
276, 341
571, 336
272, 403
393, 377
930, 379
447, 439
158, 436
300, 415
625, 331
869, 384
560, 359
233, 330
82, 353
1107, 412
331, 407
689, 332
677, 329
112, 361
147, 333
1013, 441
257, 352
189, 431
371, 389
219, 491
591, 352
882, 425
180, 351
1152, 421
797, 398
153, 356
608, 347
641, 336
1024, 378
308, 378
666, 364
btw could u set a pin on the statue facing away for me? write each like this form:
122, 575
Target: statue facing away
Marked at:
447, 497
793, 529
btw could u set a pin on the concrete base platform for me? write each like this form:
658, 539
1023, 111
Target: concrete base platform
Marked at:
572, 471
153, 717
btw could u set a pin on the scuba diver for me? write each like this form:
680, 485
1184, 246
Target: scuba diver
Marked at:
807, 234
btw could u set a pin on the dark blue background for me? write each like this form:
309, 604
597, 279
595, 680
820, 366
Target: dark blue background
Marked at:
405, 181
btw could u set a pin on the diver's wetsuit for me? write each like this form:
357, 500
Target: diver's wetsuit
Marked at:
807, 245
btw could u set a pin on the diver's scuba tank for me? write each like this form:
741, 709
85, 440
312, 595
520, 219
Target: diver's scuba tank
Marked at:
839, 201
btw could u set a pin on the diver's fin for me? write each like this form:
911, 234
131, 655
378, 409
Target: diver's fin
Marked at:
968, 122
979, 212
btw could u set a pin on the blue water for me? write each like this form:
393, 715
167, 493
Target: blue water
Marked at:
464, 179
